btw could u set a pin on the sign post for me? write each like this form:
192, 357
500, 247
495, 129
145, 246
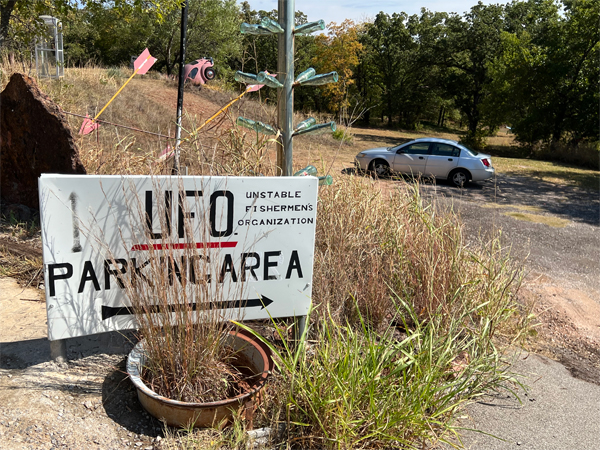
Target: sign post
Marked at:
258, 234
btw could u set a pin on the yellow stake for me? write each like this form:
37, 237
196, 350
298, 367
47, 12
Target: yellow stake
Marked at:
113, 97
222, 109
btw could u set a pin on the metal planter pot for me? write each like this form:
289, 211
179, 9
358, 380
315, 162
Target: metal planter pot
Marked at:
211, 414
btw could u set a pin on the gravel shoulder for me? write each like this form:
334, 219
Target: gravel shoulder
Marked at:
555, 232
87, 403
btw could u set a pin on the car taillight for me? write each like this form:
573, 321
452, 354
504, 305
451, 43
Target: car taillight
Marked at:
485, 162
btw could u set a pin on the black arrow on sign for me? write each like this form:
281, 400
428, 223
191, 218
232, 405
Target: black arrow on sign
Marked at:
111, 311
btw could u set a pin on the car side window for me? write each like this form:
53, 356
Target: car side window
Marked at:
445, 150
420, 148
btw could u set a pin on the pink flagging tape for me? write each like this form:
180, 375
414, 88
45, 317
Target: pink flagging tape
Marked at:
166, 153
141, 247
88, 126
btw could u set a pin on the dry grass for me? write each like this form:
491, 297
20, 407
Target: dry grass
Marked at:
371, 245
17, 257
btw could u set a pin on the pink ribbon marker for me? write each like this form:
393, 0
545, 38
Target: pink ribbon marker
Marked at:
88, 126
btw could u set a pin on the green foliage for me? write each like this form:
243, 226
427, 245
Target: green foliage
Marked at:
111, 35
464, 54
546, 80
20, 23
341, 134
358, 388
392, 61
474, 140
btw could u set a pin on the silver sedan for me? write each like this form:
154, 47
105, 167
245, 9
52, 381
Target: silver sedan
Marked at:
430, 157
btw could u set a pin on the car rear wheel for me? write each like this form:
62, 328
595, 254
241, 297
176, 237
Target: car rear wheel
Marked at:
209, 73
460, 177
380, 168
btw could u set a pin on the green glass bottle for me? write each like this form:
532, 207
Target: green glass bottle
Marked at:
307, 171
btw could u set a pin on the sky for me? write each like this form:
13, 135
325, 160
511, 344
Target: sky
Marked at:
361, 10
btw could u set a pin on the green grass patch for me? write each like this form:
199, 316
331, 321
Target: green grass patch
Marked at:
551, 221
353, 387
549, 172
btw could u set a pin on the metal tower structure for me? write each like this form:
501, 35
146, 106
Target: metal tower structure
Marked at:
285, 82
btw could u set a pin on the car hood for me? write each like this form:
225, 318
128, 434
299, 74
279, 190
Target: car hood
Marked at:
375, 150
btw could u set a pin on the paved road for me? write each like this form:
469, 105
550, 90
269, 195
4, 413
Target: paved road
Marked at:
558, 411
570, 253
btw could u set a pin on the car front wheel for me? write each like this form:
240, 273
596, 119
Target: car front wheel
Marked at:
380, 168
460, 178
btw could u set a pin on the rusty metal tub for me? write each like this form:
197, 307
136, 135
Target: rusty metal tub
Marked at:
211, 414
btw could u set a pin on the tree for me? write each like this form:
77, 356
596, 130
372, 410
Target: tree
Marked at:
111, 35
390, 50
20, 22
213, 30
15, 13
546, 81
338, 50
464, 54
396, 68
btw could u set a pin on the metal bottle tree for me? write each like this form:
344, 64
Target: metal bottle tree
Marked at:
285, 82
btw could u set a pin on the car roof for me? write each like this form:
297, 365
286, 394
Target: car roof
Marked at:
433, 139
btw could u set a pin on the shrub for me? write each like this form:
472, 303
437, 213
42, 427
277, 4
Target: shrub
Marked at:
342, 134
583, 154
370, 244
476, 141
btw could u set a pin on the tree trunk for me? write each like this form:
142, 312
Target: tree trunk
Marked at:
6, 10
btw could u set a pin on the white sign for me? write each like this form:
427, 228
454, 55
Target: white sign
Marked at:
258, 234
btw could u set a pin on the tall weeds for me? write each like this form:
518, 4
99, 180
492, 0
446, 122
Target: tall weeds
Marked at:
406, 324
371, 244
178, 296
358, 388
583, 154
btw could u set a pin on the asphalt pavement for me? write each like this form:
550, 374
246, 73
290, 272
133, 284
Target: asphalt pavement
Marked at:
556, 412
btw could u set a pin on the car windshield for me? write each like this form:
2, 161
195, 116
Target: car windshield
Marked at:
473, 152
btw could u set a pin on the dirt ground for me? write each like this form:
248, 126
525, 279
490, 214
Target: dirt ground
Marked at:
88, 403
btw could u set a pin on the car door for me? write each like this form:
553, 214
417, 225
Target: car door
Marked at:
442, 159
411, 159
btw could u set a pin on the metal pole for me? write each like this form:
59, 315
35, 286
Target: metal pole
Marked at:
58, 350
184, 17
299, 326
285, 69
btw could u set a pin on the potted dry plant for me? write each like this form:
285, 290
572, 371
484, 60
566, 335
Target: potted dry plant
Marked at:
191, 367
